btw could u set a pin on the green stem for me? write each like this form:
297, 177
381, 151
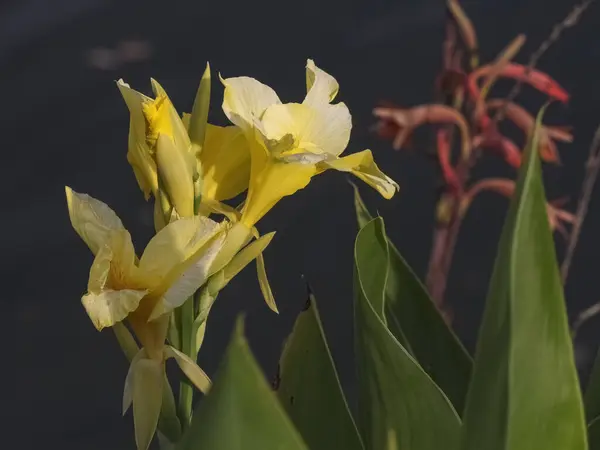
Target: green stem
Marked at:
186, 390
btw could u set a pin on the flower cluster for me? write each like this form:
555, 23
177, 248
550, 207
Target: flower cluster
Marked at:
190, 169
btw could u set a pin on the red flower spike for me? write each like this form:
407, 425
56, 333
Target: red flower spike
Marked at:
557, 217
409, 119
539, 80
451, 180
526, 122
500, 144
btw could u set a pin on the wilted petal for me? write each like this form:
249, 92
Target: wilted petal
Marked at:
320, 86
363, 166
325, 129
92, 219
111, 306
245, 100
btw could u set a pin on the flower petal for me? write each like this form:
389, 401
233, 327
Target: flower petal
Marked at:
363, 166
176, 242
275, 181
186, 278
245, 100
147, 387
325, 129
225, 163
92, 219
194, 373
138, 153
111, 306
320, 86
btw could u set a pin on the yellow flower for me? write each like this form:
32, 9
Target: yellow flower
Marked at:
176, 262
291, 143
159, 148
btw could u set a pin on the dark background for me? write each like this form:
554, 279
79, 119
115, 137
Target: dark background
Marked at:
64, 123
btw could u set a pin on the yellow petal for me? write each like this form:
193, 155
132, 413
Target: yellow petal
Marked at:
128, 389
275, 181
176, 174
147, 388
320, 86
175, 243
92, 219
322, 130
194, 373
109, 306
245, 100
185, 278
363, 166
225, 163
138, 153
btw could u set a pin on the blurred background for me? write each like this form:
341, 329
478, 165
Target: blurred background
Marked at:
64, 123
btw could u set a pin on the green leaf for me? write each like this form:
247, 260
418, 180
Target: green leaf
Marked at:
309, 387
524, 393
199, 116
418, 325
396, 396
241, 412
594, 434
592, 391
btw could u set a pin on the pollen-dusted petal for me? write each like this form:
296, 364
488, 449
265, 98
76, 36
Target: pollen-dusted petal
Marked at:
92, 219
320, 86
111, 306
363, 166
246, 99
326, 128
175, 243
224, 162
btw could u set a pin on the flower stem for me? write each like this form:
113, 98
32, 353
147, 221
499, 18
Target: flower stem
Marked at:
186, 390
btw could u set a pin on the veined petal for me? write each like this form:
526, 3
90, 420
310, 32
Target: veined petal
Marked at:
175, 243
225, 163
245, 100
363, 166
320, 86
110, 306
325, 129
275, 181
138, 153
187, 277
92, 219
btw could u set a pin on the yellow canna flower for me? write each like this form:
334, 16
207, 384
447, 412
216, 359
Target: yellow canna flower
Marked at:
291, 143
176, 262
160, 148
223, 163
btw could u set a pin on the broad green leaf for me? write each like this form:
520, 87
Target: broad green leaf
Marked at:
199, 116
396, 396
309, 387
524, 393
592, 391
418, 325
241, 412
594, 434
